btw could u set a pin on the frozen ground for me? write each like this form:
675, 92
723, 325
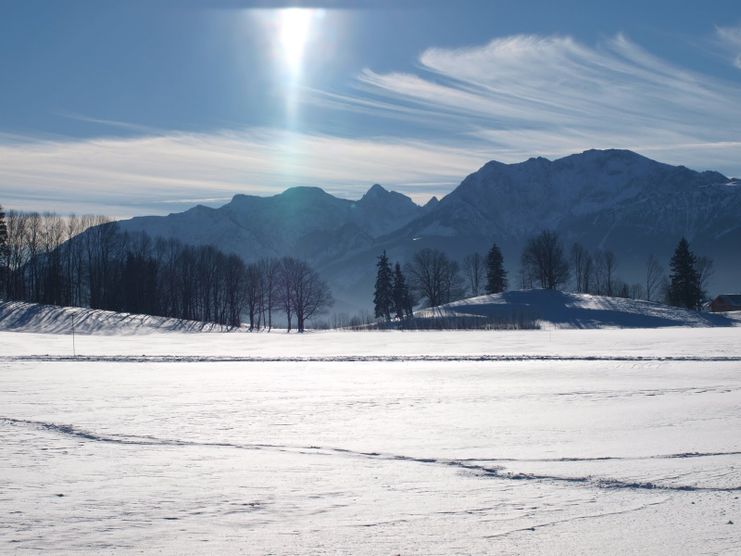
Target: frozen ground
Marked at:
564, 441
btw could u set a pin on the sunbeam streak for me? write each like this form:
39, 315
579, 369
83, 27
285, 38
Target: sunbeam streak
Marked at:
295, 27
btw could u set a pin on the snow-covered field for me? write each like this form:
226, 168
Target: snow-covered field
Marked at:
510, 442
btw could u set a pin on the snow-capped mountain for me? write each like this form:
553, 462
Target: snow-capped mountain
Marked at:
613, 188
301, 221
610, 199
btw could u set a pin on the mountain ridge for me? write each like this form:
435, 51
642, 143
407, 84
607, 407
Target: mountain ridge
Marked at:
606, 199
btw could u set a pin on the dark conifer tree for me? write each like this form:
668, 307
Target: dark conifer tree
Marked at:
684, 287
402, 297
496, 276
3, 238
3, 229
383, 298
4, 253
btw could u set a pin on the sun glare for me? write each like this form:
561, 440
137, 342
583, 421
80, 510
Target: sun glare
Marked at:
295, 26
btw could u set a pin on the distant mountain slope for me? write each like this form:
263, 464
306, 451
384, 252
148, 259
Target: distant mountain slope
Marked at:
507, 199
303, 221
607, 199
510, 197
572, 310
587, 196
16, 316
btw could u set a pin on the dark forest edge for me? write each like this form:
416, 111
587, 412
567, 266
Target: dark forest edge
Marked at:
86, 261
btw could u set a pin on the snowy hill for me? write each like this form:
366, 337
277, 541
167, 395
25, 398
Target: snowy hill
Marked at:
554, 309
16, 316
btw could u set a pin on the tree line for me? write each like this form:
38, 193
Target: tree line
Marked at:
596, 272
432, 278
544, 263
87, 261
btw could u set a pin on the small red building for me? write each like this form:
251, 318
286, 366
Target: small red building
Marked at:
726, 302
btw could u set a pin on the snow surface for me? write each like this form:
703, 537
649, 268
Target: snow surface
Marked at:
633, 451
32, 317
549, 309
555, 309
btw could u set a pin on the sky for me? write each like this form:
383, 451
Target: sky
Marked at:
151, 107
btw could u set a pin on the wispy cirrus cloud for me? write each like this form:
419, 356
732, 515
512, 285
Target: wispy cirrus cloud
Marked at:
731, 38
525, 95
509, 99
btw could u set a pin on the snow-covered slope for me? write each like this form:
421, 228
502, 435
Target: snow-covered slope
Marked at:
16, 316
509, 199
554, 309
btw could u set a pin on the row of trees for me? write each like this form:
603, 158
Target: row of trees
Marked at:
86, 261
545, 264
596, 273
39, 262
485, 274
392, 297
434, 279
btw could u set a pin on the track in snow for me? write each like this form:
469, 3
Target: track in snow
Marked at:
353, 358
469, 465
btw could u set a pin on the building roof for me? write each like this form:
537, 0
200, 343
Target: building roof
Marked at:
730, 298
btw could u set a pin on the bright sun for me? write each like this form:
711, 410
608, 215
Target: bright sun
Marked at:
295, 25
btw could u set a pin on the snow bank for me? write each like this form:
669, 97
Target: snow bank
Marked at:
554, 309
548, 309
18, 316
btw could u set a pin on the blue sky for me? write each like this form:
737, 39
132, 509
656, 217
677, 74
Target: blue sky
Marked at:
152, 106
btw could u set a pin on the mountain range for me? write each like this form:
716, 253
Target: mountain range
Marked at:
607, 199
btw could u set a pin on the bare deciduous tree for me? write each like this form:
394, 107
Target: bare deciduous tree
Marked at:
654, 277
605, 264
286, 275
636, 291
705, 269
269, 269
310, 295
253, 293
434, 277
474, 271
543, 261
581, 262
